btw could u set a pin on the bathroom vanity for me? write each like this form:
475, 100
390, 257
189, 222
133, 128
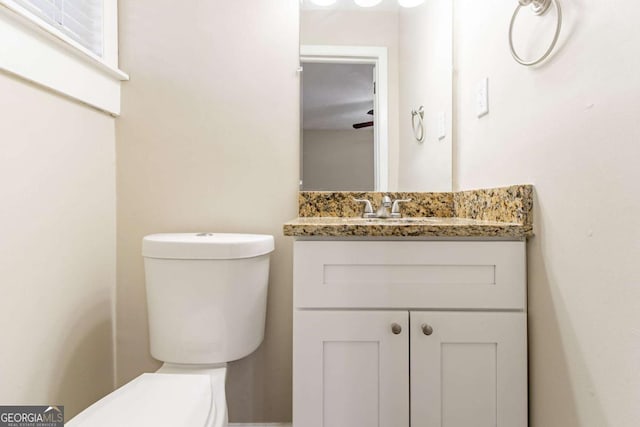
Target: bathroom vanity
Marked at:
419, 321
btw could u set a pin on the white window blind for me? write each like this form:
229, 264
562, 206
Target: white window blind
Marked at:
79, 19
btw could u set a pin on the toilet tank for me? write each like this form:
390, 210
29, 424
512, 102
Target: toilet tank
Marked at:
206, 295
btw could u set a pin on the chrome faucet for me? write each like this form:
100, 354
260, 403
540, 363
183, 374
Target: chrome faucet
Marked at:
388, 208
384, 211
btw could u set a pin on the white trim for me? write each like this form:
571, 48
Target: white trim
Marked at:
364, 55
110, 34
33, 50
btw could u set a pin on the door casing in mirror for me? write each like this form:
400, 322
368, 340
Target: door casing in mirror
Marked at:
364, 55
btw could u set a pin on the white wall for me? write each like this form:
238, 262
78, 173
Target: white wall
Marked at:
57, 246
358, 28
571, 128
425, 64
338, 159
209, 140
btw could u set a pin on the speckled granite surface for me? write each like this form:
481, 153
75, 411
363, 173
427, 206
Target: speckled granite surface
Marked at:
507, 204
499, 212
341, 203
413, 227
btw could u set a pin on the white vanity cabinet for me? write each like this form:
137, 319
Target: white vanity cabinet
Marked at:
409, 334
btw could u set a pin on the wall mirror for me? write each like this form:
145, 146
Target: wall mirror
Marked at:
376, 95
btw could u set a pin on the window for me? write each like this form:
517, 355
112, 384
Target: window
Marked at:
68, 46
79, 19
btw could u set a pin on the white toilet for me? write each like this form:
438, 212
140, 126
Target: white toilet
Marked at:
206, 298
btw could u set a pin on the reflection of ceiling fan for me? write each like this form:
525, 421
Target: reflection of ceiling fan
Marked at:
364, 124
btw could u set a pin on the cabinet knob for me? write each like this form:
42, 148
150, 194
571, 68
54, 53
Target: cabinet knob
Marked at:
396, 329
426, 329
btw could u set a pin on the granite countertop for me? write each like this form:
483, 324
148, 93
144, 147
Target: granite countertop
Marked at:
496, 213
405, 227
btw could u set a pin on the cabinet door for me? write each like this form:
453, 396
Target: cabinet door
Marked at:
470, 371
351, 369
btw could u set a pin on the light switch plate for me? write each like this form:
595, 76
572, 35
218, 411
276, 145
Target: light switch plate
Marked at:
482, 98
442, 125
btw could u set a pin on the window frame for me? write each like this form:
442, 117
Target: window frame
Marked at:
34, 50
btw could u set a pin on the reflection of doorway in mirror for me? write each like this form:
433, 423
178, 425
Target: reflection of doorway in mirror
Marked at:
344, 119
337, 132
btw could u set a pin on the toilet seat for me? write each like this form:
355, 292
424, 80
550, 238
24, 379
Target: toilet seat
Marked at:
159, 399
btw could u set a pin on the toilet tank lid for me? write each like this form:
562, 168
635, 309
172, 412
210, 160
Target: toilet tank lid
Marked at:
206, 245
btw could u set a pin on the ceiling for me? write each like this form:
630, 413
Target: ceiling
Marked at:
335, 96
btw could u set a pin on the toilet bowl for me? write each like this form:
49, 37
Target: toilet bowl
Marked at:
206, 299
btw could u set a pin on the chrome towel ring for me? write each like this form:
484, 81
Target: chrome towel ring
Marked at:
418, 126
539, 7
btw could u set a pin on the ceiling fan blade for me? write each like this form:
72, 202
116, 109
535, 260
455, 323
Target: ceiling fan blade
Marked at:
363, 125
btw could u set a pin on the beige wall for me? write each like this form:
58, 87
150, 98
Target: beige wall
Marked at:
571, 128
355, 28
208, 140
57, 248
426, 78
338, 159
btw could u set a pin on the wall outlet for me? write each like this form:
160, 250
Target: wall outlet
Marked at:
482, 98
442, 125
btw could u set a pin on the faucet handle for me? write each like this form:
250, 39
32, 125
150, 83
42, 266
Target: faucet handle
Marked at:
368, 209
395, 210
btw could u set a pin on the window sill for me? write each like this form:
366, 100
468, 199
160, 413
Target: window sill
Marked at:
38, 53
